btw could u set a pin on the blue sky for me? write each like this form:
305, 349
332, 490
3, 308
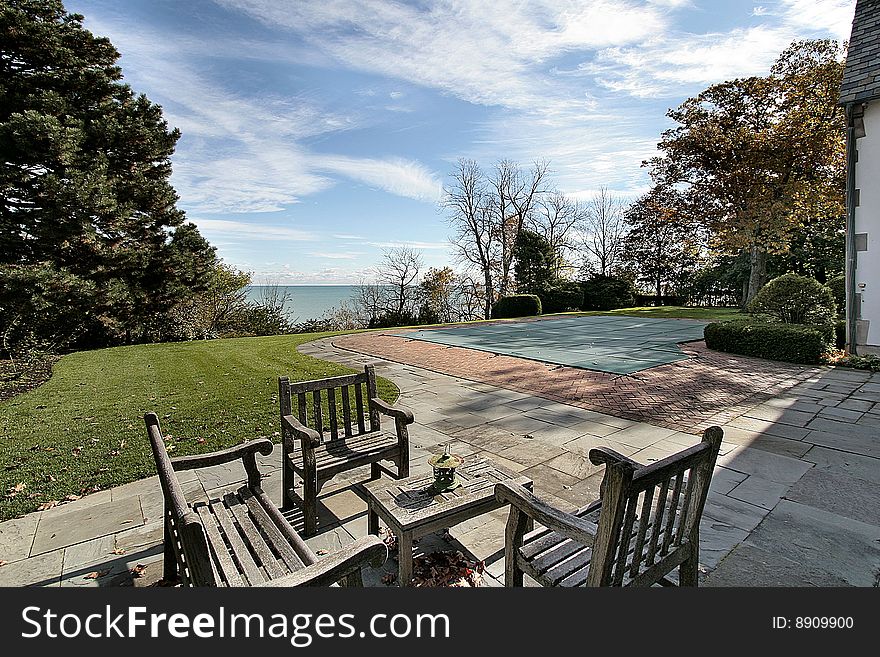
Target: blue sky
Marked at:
317, 134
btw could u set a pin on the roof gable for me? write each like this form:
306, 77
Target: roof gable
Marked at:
861, 78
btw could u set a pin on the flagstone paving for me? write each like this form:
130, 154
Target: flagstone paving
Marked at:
794, 498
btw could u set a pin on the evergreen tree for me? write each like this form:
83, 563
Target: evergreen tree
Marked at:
84, 173
534, 262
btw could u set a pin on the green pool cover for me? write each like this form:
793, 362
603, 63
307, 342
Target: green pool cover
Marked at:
615, 344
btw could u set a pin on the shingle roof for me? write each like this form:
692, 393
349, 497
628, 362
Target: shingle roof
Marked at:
861, 79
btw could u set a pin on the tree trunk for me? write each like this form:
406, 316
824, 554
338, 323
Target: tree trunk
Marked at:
757, 273
489, 294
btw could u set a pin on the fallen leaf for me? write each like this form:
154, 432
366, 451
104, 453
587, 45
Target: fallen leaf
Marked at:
200, 440
71, 498
96, 574
388, 579
47, 505
320, 553
119, 551
138, 571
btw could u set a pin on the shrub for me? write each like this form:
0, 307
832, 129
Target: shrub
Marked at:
794, 299
869, 362
607, 293
392, 319
561, 297
837, 285
840, 333
794, 343
517, 305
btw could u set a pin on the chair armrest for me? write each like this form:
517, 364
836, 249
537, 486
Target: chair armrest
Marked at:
396, 412
308, 435
261, 445
600, 455
369, 550
569, 525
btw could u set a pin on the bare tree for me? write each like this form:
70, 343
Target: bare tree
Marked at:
399, 270
470, 298
370, 301
604, 230
556, 219
487, 214
475, 236
515, 194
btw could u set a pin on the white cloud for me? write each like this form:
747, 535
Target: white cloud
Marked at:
672, 64
254, 231
418, 246
395, 175
482, 56
336, 255
246, 154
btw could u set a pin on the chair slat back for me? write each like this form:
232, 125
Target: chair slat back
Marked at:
322, 404
652, 515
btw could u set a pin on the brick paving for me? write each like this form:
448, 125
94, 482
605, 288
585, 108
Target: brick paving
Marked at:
709, 388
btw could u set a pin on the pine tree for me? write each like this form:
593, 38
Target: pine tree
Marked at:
84, 173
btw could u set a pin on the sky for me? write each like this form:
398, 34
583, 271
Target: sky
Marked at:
315, 135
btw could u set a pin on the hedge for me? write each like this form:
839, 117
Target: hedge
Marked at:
794, 343
561, 298
517, 305
607, 293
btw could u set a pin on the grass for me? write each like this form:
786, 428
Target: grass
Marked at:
679, 312
83, 430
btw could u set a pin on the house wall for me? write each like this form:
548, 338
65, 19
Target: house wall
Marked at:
867, 220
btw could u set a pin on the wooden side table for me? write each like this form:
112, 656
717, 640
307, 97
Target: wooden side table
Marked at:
411, 508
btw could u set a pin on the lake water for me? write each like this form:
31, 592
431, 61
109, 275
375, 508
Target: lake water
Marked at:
308, 301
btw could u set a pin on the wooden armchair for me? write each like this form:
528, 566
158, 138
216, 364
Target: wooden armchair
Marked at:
315, 451
241, 538
645, 524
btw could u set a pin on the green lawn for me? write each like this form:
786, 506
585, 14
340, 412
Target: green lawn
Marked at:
84, 427
680, 312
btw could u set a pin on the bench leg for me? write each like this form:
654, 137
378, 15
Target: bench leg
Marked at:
403, 465
288, 481
310, 504
518, 524
372, 521
353, 580
405, 558
689, 572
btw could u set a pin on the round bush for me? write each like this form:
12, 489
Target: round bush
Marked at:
516, 305
837, 285
793, 299
607, 293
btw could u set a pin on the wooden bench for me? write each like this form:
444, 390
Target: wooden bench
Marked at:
241, 538
352, 436
644, 526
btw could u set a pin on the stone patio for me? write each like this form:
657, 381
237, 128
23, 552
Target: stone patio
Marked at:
794, 498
